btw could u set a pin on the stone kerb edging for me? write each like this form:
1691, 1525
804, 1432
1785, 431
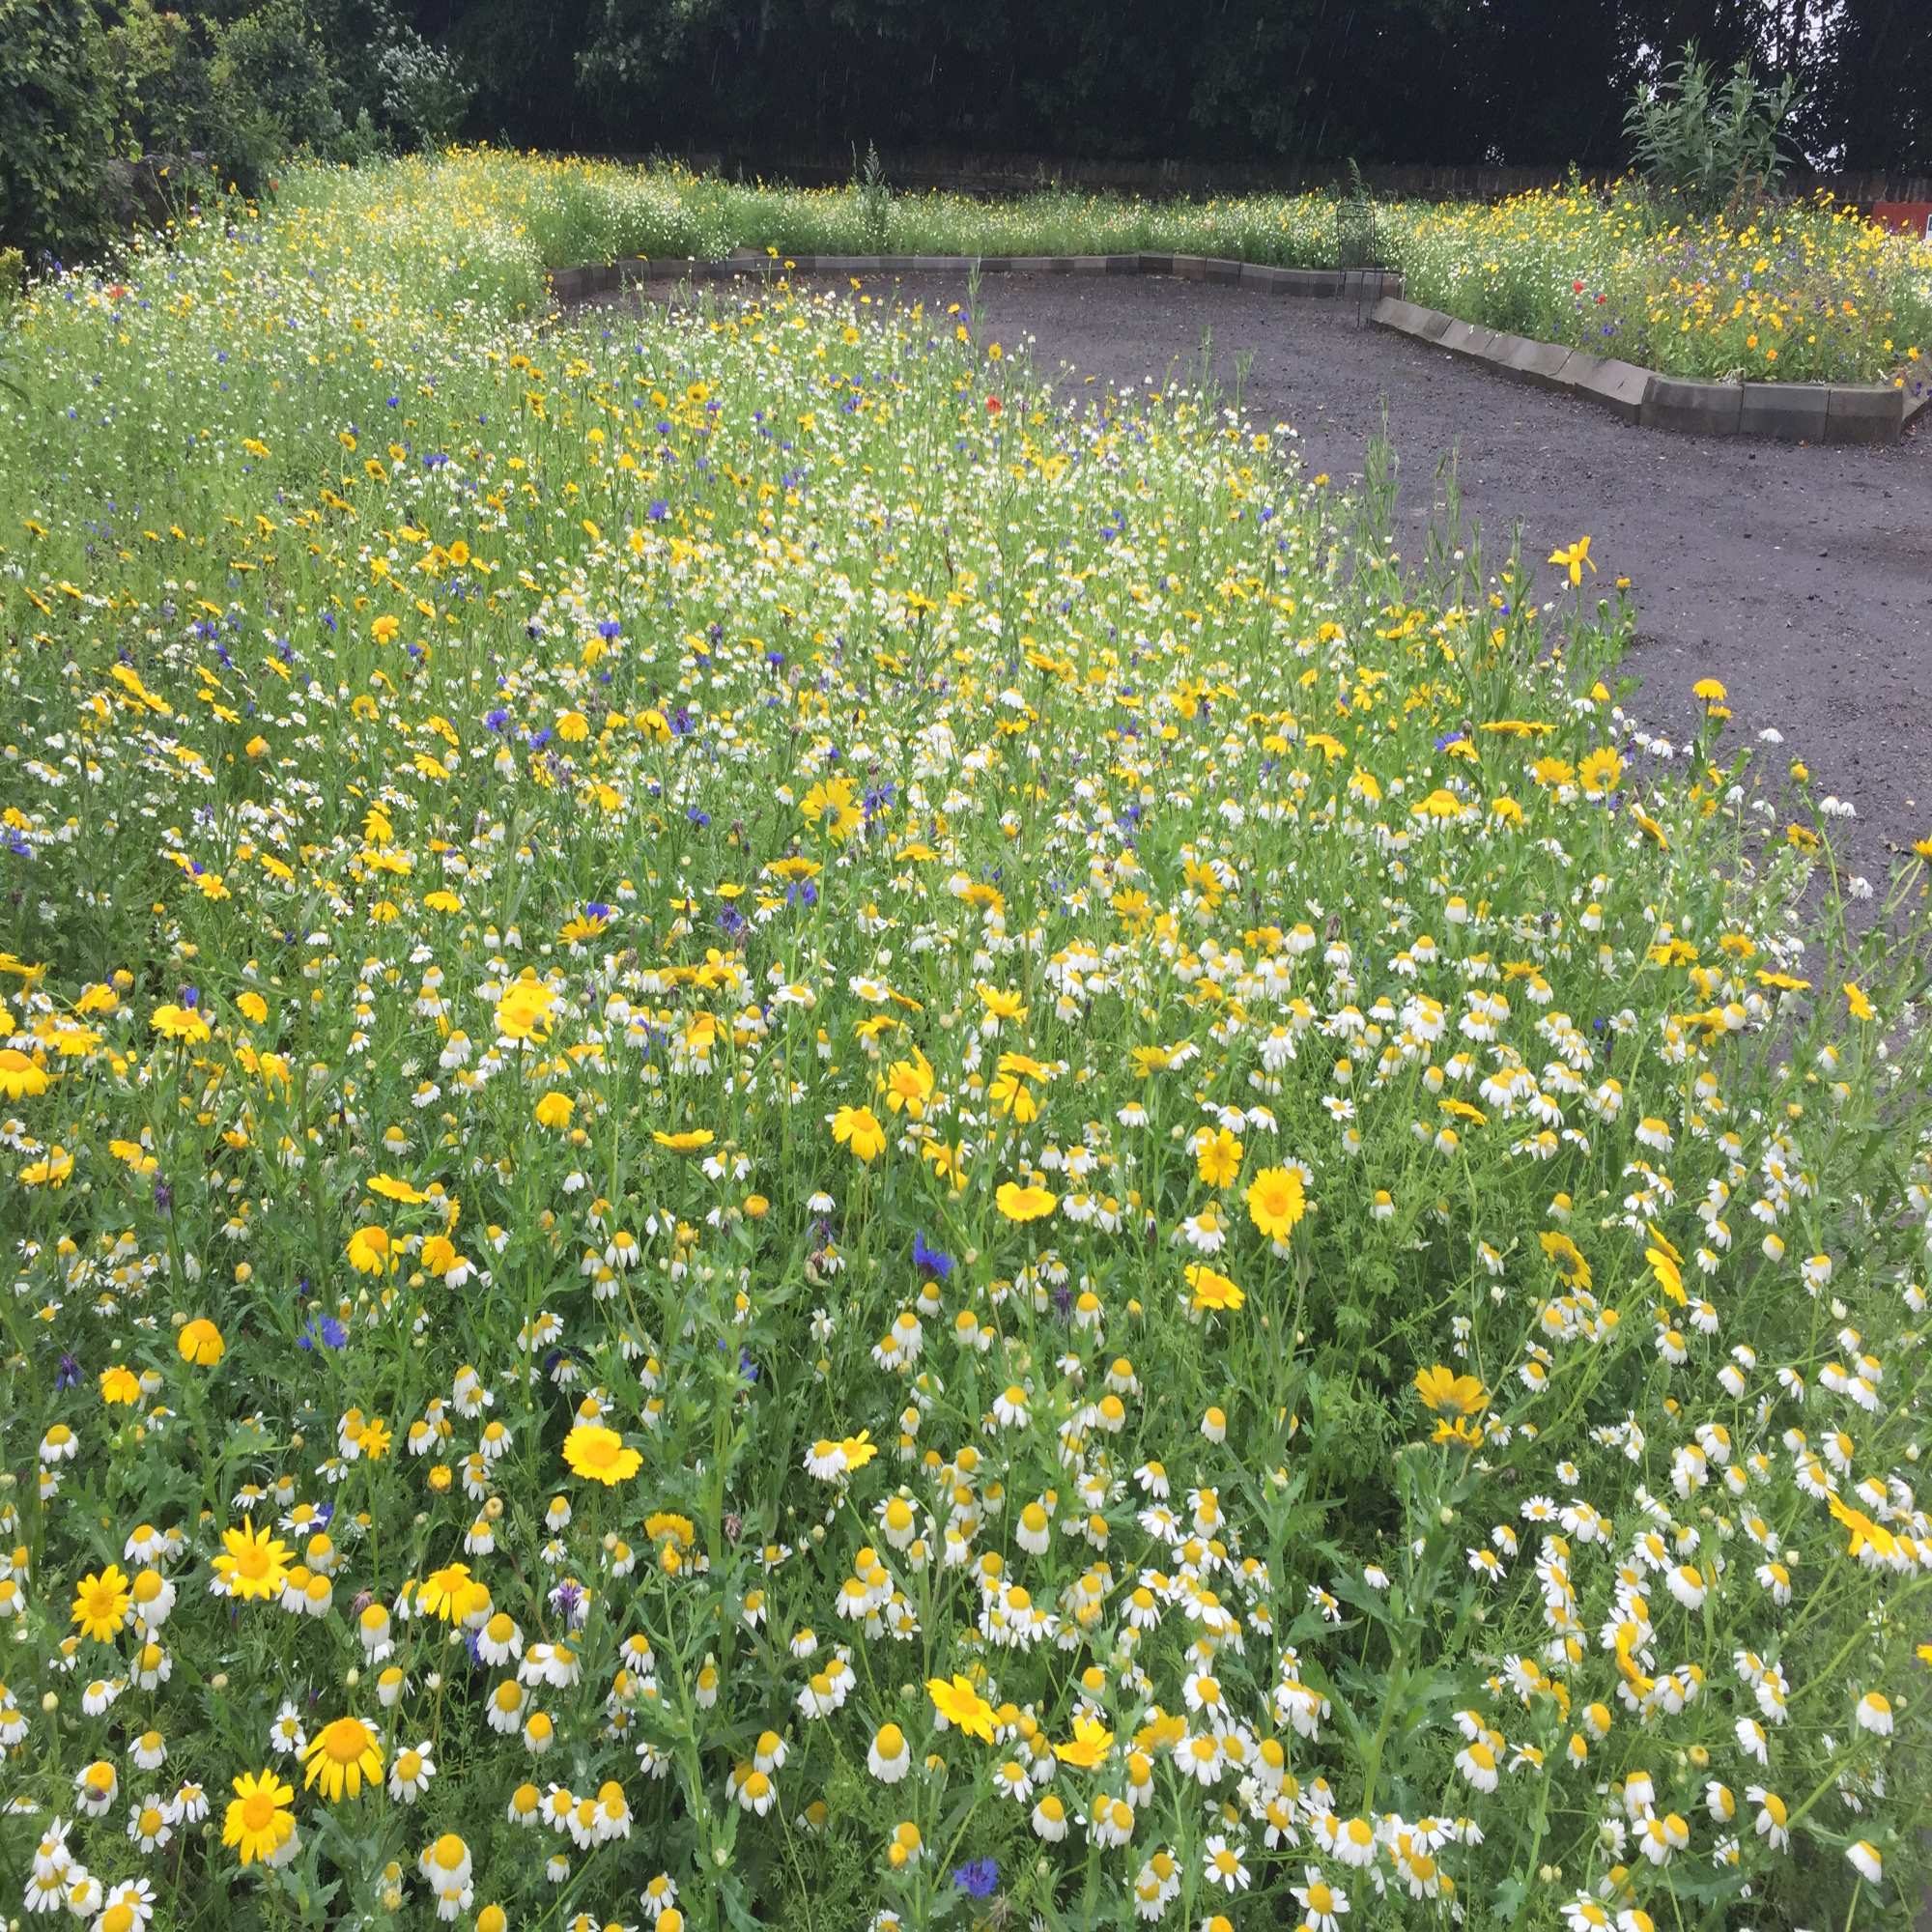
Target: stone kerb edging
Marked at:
1372, 284
1860, 413
1867, 412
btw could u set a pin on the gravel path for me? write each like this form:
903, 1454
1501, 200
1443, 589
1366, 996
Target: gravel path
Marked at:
1800, 576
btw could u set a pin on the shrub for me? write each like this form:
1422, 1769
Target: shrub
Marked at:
1709, 147
272, 73
425, 92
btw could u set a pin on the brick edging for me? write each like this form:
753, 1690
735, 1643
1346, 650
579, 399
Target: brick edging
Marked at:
1864, 413
1860, 413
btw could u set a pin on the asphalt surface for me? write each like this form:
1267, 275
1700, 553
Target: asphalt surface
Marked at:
1800, 576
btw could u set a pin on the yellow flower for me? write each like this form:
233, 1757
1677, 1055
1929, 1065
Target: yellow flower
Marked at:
909, 1085
524, 1012
1669, 1275
252, 1007
1865, 1533
1574, 558
1211, 1291
1599, 772
1710, 690
253, 1565
1091, 1742
390, 1188
259, 1821
452, 1594
383, 630
100, 1604
858, 1129
962, 1706
20, 1078
200, 1342
120, 1387
599, 1455
183, 1023
341, 1757
51, 1169
1441, 1388
688, 1142
1567, 1259
1276, 1202
1218, 1157
371, 1251
553, 1110
1024, 1203
1861, 1009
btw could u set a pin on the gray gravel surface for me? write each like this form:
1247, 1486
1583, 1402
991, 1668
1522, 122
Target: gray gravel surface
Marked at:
1799, 576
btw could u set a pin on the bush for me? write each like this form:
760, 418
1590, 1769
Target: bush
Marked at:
161, 69
273, 72
425, 92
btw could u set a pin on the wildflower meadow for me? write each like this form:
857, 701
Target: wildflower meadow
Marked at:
793, 1137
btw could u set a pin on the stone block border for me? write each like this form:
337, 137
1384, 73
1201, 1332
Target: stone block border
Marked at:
571, 285
1867, 412
1864, 413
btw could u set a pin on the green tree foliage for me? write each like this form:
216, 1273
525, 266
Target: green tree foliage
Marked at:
238, 83
56, 126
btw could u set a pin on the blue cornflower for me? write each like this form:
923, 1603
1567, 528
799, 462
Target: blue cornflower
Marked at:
659, 510
979, 1879
326, 1331
930, 1259
609, 627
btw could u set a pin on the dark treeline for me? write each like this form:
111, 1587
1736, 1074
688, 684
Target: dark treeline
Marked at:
1527, 82
1191, 91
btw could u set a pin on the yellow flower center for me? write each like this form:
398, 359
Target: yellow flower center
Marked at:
345, 1740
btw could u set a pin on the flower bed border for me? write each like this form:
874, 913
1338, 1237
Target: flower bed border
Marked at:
1859, 412
1873, 414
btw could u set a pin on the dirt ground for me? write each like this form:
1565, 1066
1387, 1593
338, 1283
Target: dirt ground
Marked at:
1799, 576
